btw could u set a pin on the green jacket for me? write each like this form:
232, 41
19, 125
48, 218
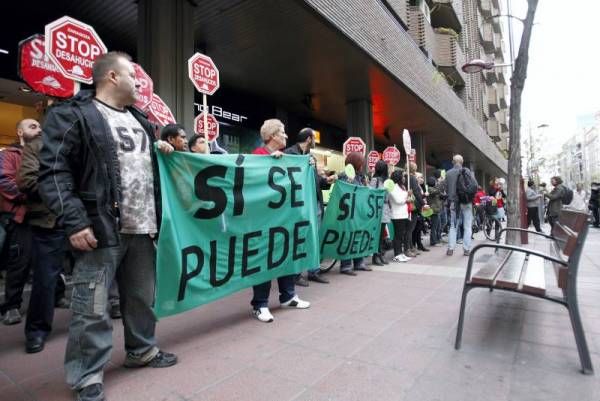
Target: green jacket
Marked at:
435, 200
37, 213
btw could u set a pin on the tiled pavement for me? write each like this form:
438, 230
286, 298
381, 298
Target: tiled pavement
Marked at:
383, 335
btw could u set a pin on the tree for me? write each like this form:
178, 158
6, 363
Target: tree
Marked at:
517, 84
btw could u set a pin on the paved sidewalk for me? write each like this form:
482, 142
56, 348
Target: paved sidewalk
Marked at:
383, 335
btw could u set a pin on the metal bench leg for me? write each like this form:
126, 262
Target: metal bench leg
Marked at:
461, 316
582, 347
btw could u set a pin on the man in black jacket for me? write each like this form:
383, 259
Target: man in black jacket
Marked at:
305, 142
98, 174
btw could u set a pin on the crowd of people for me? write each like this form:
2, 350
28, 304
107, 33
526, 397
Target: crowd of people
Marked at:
82, 192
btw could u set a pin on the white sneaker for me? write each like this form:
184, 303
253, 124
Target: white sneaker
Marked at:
263, 314
296, 303
404, 258
397, 259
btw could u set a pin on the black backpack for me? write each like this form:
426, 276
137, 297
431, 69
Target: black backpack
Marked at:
466, 186
567, 197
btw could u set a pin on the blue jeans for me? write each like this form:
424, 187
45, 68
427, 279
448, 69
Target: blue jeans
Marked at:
464, 211
287, 291
346, 264
49, 249
90, 331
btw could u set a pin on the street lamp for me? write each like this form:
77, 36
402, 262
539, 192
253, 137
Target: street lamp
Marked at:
477, 65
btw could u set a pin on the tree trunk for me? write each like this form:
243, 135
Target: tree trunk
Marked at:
517, 83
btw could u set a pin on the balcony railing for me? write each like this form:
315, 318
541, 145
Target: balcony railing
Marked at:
449, 57
486, 34
444, 15
485, 6
492, 100
420, 30
501, 90
493, 128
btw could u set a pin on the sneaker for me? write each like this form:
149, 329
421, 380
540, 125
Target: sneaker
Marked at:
406, 258
13, 316
397, 259
296, 303
263, 314
301, 281
160, 360
466, 252
459, 241
450, 252
93, 392
363, 268
317, 278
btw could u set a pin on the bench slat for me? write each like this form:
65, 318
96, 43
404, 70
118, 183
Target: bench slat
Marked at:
487, 274
510, 275
534, 279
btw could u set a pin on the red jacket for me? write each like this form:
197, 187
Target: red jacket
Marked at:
11, 199
478, 196
261, 151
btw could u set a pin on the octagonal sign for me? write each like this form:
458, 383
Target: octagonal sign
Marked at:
391, 155
159, 112
372, 158
213, 126
73, 46
354, 144
203, 73
143, 96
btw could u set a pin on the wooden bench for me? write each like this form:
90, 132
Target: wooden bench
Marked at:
522, 270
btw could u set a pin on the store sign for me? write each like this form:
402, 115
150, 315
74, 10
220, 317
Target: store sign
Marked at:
203, 73
159, 112
39, 72
354, 144
391, 155
223, 114
213, 126
317, 136
144, 93
73, 46
372, 158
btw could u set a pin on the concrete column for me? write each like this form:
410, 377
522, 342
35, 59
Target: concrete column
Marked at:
165, 42
359, 121
418, 144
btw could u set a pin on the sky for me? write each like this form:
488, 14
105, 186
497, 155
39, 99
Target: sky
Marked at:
563, 79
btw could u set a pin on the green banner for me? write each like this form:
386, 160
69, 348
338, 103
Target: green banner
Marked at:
352, 222
230, 222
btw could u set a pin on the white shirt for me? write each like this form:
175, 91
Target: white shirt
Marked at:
398, 198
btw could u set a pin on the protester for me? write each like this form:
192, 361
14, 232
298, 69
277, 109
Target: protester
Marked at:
497, 192
419, 229
379, 176
48, 253
175, 135
479, 207
533, 200
594, 203
197, 144
400, 217
357, 161
98, 172
415, 214
460, 208
435, 202
579, 199
16, 252
306, 142
555, 198
543, 202
274, 137
441, 185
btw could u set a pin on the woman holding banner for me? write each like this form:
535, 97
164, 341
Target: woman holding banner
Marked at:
399, 214
379, 176
274, 138
357, 161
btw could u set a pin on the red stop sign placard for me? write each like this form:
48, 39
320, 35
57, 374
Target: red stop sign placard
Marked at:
144, 94
354, 144
39, 72
372, 158
213, 126
73, 46
159, 112
203, 73
391, 155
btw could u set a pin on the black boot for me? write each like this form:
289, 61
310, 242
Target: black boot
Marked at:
375, 260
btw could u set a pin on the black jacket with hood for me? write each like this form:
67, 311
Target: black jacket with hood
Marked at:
79, 168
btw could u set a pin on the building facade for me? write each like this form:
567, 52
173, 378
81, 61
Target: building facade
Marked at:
367, 68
